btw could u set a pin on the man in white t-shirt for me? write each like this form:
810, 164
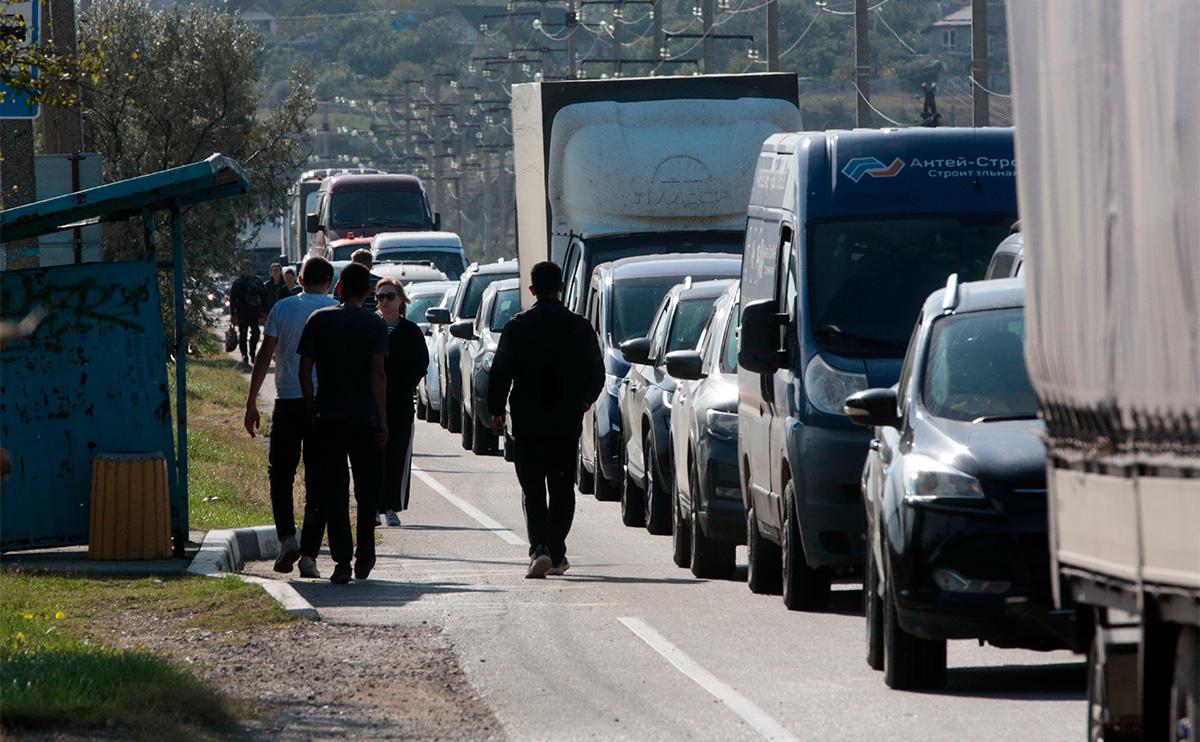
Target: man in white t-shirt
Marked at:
290, 422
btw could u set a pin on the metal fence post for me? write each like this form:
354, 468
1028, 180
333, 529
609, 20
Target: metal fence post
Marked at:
181, 347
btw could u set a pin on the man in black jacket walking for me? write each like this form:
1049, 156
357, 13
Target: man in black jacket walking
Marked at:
550, 358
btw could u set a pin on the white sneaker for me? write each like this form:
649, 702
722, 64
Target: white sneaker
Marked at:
308, 568
559, 568
393, 519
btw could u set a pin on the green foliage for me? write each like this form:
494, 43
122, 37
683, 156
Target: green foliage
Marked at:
43, 73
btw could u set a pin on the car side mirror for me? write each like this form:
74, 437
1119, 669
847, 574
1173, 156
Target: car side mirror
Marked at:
636, 350
873, 408
758, 338
685, 365
311, 225
464, 329
437, 316
437, 222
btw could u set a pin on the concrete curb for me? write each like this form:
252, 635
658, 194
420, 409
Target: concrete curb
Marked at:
225, 552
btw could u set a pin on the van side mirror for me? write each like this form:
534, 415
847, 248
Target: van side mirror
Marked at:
311, 225
437, 221
464, 329
873, 408
636, 350
685, 365
758, 338
437, 316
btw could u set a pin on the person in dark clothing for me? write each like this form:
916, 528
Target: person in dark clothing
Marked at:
407, 360
550, 358
271, 288
246, 301
363, 257
289, 287
347, 344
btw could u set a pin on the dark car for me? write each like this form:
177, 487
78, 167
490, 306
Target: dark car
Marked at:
709, 518
954, 489
466, 303
646, 399
479, 338
624, 295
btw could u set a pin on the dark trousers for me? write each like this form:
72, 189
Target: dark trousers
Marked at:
546, 466
338, 441
397, 468
291, 434
248, 325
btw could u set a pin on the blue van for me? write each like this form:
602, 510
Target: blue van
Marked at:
847, 233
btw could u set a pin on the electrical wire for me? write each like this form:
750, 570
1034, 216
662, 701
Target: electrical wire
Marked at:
800, 38
879, 113
979, 85
876, 6
888, 26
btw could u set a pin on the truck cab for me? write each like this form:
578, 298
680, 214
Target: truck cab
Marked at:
366, 205
847, 233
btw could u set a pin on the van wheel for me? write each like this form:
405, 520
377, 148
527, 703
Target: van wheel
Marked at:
804, 588
510, 448
466, 428
656, 502
455, 422
585, 482
483, 441
763, 562
873, 610
606, 490
633, 512
1185, 688
909, 662
681, 541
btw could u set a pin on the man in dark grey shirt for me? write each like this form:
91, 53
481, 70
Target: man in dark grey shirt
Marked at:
347, 345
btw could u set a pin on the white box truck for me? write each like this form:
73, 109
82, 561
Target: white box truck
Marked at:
1107, 103
607, 169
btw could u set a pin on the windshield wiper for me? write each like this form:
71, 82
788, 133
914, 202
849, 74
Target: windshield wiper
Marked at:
837, 332
1004, 418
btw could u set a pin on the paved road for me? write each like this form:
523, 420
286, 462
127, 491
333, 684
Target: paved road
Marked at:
627, 646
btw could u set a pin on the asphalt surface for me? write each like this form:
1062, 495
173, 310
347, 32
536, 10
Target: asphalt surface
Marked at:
628, 646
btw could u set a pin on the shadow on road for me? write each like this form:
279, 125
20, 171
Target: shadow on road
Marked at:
616, 580
1063, 681
378, 593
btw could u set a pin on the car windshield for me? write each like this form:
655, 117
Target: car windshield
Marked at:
634, 302
450, 262
868, 277
393, 209
507, 303
975, 368
478, 282
690, 318
418, 305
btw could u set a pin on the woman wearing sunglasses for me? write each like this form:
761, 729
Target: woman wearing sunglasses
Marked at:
406, 362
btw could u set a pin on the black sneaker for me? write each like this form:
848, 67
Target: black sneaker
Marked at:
539, 564
341, 574
559, 568
363, 567
289, 552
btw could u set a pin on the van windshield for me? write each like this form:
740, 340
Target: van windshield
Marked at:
450, 262
393, 209
634, 302
867, 278
975, 368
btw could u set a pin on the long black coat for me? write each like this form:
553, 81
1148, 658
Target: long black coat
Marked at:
406, 362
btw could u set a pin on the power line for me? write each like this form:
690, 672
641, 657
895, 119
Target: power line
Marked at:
879, 113
803, 33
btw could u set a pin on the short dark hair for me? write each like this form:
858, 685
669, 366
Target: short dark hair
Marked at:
355, 281
546, 278
316, 271
363, 256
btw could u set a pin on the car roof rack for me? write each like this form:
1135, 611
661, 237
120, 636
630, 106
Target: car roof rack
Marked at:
950, 300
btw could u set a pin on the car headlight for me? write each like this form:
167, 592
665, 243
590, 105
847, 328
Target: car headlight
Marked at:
722, 424
487, 361
828, 387
929, 480
612, 384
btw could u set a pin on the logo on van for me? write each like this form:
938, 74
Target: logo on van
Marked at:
681, 169
860, 166
681, 181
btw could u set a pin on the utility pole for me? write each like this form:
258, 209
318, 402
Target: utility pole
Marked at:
862, 63
772, 35
570, 22
618, 22
656, 29
706, 19
62, 128
979, 61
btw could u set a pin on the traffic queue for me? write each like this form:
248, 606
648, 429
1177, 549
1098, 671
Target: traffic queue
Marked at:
847, 397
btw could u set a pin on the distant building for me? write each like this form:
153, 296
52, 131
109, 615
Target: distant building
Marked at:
950, 35
259, 15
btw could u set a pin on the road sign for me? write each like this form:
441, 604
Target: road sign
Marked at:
23, 18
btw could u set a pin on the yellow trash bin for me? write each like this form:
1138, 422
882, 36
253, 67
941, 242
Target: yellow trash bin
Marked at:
131, 513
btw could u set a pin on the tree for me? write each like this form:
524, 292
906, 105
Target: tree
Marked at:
42, 73
173, 87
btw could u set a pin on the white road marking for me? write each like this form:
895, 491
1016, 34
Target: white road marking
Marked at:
481, 517
739, 704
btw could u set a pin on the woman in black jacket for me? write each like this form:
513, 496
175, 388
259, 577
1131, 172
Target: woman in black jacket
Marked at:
407, 360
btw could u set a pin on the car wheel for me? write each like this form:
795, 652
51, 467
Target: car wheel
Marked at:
606, 490
420, 409
1185, 688
681, 544
710, 558
510, 448
455, 422
763, 560
483, 441
444, 411
585, 482
804, 588
873, 610
467, 430
432, 415
658, 507
633, 511
909, 662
